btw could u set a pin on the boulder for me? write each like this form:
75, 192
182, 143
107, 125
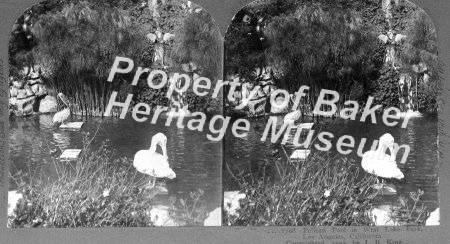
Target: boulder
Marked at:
13, 199
39, 90
269, 89
13, 101
214, 218
383, 216
434, 218
237, 98
13, 91
25, 106
29, 91
48, 105
18, 84
256, 107
247, 88
21, 94
231, 201
160, 216
34, 74
34, 82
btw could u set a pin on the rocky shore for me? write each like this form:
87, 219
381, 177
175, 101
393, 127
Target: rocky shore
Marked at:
29, 96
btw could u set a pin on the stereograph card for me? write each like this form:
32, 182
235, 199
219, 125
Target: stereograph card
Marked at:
274, 121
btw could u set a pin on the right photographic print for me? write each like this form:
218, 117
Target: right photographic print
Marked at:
339, 102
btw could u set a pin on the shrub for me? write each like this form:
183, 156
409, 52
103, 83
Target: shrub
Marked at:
98, 190
317, 192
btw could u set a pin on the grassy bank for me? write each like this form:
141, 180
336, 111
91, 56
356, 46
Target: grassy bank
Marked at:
321, 191
99, 189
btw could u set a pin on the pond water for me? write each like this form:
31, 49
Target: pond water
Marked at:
421, 168
195, 159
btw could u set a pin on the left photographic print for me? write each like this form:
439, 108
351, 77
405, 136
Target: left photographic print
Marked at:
113, 109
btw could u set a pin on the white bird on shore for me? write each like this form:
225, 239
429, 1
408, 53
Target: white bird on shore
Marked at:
291, 117
152, 163
63, 115
381, 164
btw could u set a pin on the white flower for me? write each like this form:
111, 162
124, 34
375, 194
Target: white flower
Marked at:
105, 193
327, 193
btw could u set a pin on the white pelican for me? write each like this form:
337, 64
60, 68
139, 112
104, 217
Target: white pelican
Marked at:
152, 163
380, 164
63, 115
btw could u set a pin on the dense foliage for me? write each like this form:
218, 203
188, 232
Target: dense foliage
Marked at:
77, 41
333, 45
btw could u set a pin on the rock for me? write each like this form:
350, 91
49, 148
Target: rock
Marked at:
434, 218
269, 89
160, 216
13, 199
13, 101
261, 93
25, 106
48, 105
13, 91
237, 98
383, 216
39, 90
21, 94
29, 91
231, 201
247, 88
34, 82
279, 101
18, 84
34, 75
256, 107
214, 218
25, 70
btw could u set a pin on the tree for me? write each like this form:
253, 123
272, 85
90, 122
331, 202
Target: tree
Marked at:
198, 40
78, 44
419, 57
322, 46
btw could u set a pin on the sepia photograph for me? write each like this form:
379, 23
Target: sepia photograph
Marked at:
342, 98
105, 126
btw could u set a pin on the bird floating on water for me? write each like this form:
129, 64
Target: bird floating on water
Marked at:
381, 164
152, 163
63, 115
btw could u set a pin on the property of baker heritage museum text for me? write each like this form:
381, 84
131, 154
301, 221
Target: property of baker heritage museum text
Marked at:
319, 113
